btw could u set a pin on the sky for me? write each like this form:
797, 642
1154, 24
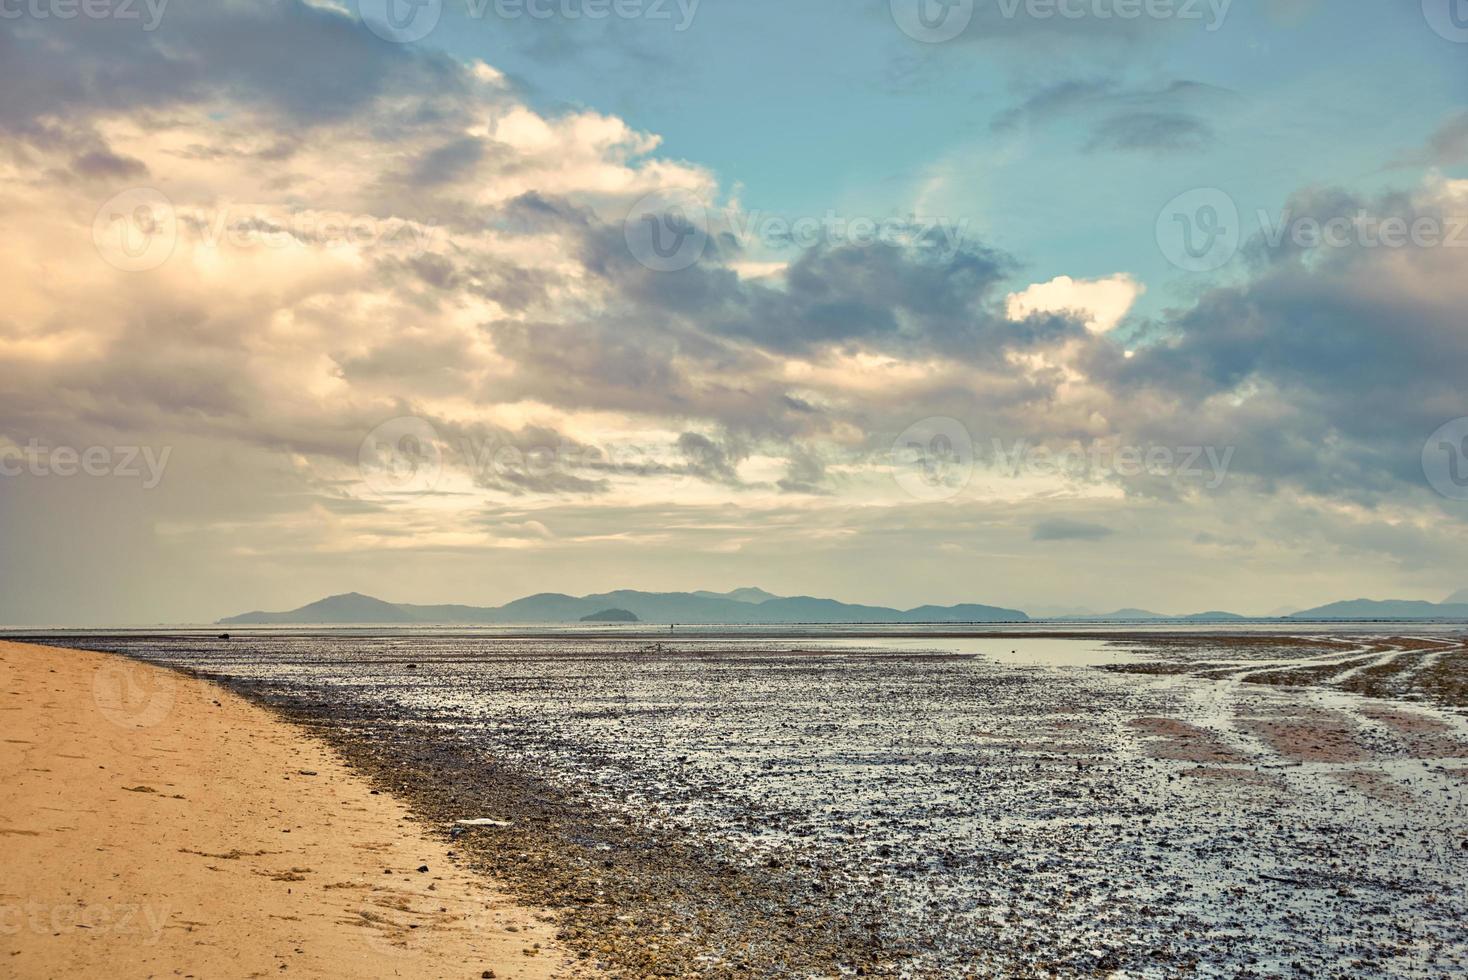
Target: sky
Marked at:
1048, 304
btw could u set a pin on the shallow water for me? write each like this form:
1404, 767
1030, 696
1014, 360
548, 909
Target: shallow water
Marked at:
1010, 807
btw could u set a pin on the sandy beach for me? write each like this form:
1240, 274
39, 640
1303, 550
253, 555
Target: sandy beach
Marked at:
156, 825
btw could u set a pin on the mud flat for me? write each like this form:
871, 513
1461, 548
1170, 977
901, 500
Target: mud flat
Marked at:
1430, 668
797, 806
158, 825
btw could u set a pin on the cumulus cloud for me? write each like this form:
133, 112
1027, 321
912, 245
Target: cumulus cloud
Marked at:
359, 231
1099, 303
1303, 365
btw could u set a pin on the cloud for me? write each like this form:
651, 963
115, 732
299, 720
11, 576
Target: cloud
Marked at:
1447, 147
97, 164
1301, 365
710, 460
309, 63
1171, 118
367, 231
1099, 303
1063, 529
1158, 132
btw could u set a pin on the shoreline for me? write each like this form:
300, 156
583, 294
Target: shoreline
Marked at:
762, 811
157, 823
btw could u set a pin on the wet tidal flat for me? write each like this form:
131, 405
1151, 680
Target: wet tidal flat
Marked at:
819, 804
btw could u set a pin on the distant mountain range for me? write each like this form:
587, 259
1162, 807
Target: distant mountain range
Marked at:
1146, 616
751, 605
1455, 608
739, 606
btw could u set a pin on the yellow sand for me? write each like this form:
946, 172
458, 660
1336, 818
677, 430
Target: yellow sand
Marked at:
155, 825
